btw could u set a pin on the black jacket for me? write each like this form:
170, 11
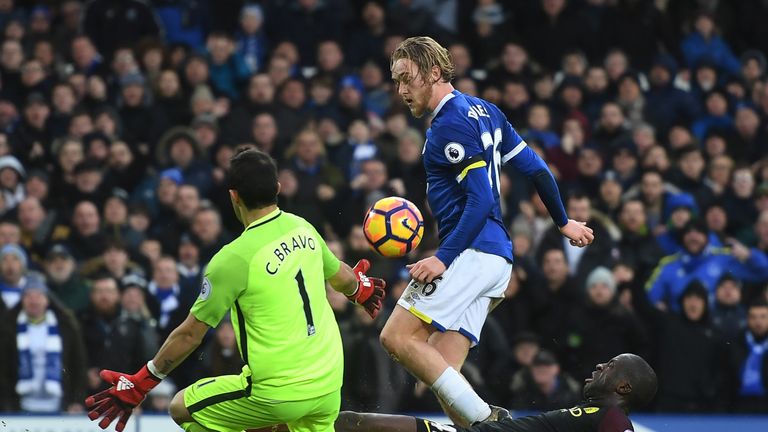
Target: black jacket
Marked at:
117, 342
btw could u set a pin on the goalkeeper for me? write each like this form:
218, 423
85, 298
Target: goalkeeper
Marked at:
272, 279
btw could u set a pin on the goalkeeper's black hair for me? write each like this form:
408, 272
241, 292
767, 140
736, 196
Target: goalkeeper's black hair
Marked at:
253, 174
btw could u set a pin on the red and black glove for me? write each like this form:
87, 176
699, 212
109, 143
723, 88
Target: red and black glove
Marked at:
118, 401
370, 291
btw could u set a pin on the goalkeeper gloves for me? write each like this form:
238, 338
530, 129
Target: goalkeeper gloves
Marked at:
118, 401
370, 291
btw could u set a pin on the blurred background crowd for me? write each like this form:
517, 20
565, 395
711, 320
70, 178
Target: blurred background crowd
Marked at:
118, 118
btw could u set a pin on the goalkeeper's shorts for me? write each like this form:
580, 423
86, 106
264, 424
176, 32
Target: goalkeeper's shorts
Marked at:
226, 404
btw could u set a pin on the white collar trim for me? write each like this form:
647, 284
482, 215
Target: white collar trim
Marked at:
445, 99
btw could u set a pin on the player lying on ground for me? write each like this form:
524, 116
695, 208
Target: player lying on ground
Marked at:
272, 279
442, 311
626, 382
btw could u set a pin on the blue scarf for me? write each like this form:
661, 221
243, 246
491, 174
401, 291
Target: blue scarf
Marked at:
752, 373
168, 299
26, 384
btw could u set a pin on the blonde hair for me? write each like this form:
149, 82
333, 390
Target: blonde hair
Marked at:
426, 53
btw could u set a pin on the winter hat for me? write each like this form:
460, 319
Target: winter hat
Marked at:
602, 275
12, 162
14, 249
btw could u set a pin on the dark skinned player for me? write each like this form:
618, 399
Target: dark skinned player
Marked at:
624, 383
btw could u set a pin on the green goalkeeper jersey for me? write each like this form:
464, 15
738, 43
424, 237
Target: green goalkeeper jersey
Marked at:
272, 280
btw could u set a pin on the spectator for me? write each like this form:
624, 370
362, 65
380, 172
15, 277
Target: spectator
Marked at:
179, 148
687, 387
716, 116
748, 135
189, 269
318, 180
170, 98
259, 98
143, 123
368, 39
113, 338
43, 339
250, 38
620, 330
222, 357
581, 261
739, 201
729, 315
32, 136
12, 175
168, 301
679, 210
291, 113
87, 240
13, 274
10, 233
704, 41
562, 291
747, 383
228, 69
208, 232
612, 129
543, 386
539, 127
699, 261
114, 261
637, 247
667, 104
63, 280
183, 22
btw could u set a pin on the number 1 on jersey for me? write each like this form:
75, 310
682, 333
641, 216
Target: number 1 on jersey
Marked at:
305, 301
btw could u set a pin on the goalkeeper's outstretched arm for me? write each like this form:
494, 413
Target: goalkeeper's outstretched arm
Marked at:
179, 345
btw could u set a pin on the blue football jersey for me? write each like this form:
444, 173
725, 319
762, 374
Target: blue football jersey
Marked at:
468, 134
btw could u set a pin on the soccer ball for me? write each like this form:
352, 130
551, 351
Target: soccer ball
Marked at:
393, 226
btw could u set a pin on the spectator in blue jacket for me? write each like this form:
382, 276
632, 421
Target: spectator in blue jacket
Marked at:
703, 262
227, 68
716, 117
704, 41
679, 210
665, 104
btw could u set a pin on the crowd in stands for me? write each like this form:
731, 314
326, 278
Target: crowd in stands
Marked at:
118, 119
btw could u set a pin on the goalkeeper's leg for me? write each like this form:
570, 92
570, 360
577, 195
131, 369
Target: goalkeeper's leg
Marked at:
182, 417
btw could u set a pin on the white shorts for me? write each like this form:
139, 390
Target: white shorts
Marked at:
460, 299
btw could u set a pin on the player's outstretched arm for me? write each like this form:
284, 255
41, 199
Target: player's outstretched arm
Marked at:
359, 288
527, 161
349, 421
180, 344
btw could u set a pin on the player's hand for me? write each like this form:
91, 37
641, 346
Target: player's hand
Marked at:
578, 233
118, 401
426, 270
370, 291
